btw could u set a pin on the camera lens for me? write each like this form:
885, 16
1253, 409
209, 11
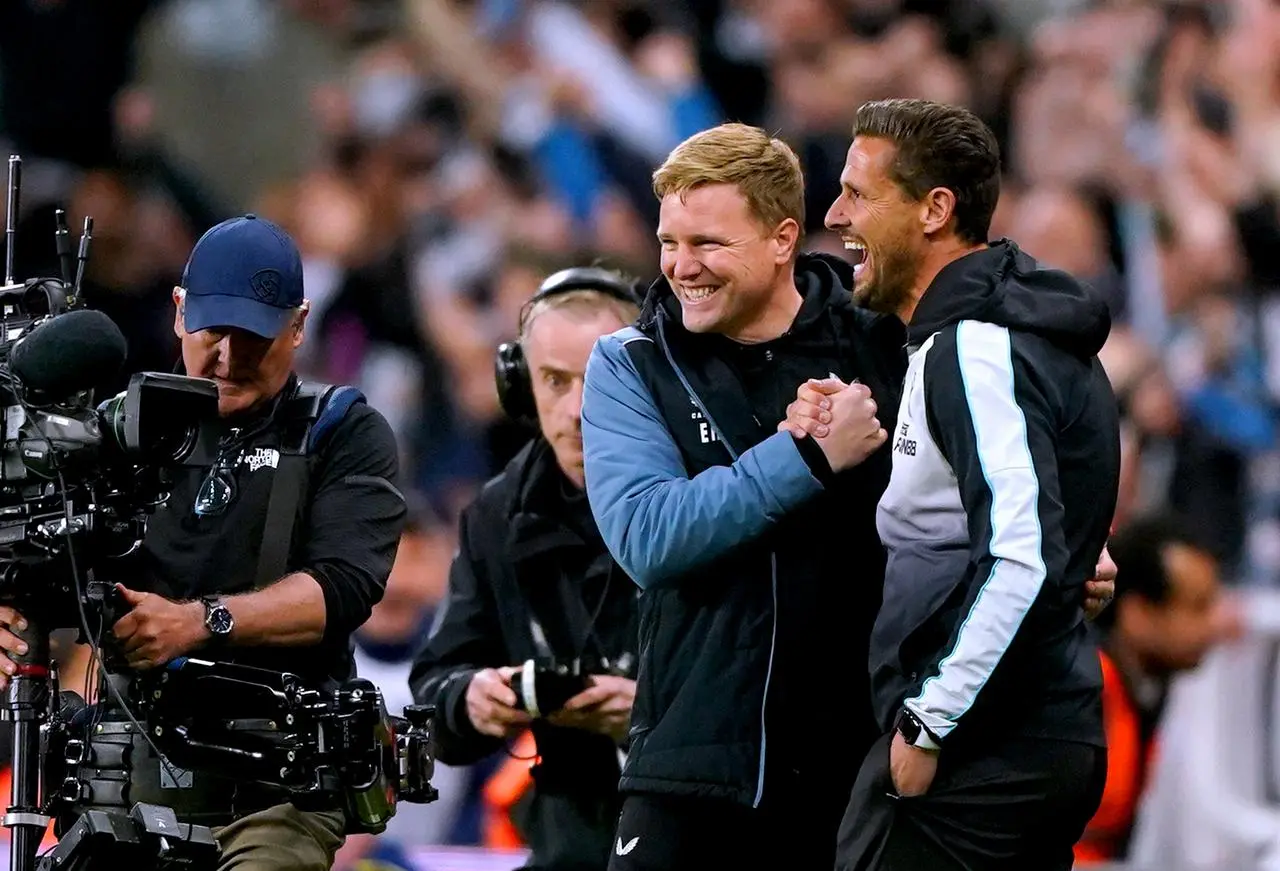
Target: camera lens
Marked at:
111, 417
165, 440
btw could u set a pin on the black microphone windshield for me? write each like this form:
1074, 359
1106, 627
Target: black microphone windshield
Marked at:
72, 352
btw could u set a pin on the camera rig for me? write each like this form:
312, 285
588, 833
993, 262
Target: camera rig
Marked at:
77, 483
317, 749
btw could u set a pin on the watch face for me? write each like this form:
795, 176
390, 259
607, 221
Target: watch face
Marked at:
909, 728
219, 620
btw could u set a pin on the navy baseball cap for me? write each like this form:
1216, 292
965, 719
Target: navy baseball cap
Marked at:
245, 272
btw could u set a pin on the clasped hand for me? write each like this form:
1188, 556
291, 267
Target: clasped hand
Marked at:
840, 417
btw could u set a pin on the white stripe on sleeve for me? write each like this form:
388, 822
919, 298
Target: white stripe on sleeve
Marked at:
1018, 571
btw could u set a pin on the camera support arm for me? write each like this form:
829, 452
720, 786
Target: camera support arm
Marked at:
266, 726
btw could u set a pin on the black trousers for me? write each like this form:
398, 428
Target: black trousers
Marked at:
796, 832
1021, 804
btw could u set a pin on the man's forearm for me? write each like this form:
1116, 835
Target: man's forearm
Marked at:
288, 613
657, 521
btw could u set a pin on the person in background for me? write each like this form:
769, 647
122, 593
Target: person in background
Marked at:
533, 586
1169, 612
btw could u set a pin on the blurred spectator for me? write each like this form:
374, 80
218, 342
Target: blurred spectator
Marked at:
62, 62
1172, 456
135, 258
1167, 614
1063, 229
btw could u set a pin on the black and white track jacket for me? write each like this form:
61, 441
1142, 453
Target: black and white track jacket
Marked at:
1006, 459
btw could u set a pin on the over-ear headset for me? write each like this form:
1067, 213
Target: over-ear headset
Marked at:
511, 370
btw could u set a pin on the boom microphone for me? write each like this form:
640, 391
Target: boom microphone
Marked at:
72, 352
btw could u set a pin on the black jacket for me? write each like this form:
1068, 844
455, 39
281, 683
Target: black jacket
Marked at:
346, 533
1005, 472
529, 551
761, 570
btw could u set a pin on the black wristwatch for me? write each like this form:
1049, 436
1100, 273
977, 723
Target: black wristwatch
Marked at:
914, 732
217, 619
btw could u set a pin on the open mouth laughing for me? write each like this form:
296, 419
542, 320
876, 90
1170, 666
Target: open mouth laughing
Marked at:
857, 255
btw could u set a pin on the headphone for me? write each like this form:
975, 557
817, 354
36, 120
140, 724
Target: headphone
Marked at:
511, 370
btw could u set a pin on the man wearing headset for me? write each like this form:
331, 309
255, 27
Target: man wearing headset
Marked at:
538, 629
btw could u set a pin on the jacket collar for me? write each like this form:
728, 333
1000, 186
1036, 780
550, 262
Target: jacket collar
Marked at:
534, 516
960, 290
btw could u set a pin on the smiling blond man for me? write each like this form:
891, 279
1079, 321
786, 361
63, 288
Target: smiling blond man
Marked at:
756, 550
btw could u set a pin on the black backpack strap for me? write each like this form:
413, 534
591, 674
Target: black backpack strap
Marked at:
309, 417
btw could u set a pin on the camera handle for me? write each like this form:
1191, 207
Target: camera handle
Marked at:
148, 837
26, 705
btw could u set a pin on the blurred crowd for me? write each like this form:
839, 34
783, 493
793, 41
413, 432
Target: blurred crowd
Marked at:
457, 151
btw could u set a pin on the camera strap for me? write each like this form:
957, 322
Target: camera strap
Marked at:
315, 409
582, 621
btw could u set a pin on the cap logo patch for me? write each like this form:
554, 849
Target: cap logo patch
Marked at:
266, 285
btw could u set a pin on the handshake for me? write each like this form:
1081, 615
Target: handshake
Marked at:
840, 417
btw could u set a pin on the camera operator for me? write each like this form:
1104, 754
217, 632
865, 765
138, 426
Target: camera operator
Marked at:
223, 569
532, 580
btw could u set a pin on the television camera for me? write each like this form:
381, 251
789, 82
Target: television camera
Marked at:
78, 481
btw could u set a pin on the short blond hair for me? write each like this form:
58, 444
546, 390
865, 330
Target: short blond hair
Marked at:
763, 168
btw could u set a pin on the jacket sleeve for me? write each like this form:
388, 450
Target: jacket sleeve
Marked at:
658, 523
354, 520
465, 638
998, 431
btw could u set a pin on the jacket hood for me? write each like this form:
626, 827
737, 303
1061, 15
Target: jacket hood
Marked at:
1004, 285
822, 279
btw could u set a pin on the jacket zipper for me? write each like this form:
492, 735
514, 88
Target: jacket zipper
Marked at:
773, 562
768, 678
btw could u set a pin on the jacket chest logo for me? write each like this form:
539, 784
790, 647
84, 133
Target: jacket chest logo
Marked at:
260, 457
706, 433
903, 444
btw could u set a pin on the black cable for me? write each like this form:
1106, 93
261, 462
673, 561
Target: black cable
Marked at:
588, 636
93, 640
591, 635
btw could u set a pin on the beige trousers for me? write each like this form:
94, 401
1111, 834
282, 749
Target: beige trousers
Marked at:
281, 838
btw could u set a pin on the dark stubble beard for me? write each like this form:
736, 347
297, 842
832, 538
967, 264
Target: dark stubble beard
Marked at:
889, 285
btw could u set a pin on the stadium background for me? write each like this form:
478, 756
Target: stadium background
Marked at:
435, 158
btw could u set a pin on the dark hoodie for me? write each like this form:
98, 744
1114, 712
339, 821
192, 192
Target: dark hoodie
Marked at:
761, 569
1005, 471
